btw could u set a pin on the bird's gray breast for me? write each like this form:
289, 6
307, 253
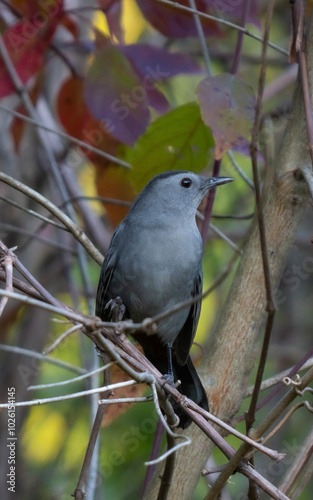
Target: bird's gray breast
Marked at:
156, 270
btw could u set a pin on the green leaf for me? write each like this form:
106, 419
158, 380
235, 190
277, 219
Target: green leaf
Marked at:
178, 140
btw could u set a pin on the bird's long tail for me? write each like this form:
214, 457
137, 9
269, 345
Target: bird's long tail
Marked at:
191, 386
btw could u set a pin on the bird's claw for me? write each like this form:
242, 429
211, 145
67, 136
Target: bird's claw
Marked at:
116, 309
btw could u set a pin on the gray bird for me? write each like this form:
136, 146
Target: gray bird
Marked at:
154, 262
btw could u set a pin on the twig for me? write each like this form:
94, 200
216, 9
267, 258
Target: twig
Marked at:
298, 22
23, 287
7, 262
166, 477
256, 434
225, 238
61, 216
31, 235
33, 213
271, 306
66, 136
201, 37
239, 170
209, 203
301, 466
282, 422
41, 357
68, 313
60, 339
72, 380
274, 455
219, 20
80, 490
244, 468
236, 59
266, 384
74, 395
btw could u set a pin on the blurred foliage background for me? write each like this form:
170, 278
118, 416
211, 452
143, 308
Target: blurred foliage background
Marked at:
78, 65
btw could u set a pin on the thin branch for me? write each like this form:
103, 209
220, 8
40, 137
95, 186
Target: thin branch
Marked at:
72, 380
74, 395
24, 272
7, 262
302, 467
271, 306
167, 475
33, 213
237, 54
201, 37
239, 170
62, 337
53, 209
66, 136
225, 23
256, 434
225, 238
80, 490
33, 236
23, 287
244, 468
298, 22
41, 357
276, 379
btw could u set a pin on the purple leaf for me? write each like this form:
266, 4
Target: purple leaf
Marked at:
112, 10
154, 65
235, 10
115, 95
176, 23
227, 105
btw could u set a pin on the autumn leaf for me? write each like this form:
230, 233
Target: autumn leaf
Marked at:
227, 105
177, 140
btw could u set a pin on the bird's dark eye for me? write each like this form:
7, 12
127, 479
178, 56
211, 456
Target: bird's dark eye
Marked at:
186, 182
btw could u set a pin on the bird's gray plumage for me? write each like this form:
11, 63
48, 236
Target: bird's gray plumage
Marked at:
154, 263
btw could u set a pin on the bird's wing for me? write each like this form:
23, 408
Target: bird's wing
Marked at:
186, 335
107, 271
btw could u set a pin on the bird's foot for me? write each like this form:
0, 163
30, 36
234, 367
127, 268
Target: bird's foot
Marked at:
168, 379
116, 309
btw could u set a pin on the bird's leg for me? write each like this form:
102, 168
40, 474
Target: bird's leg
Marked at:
169, 376
116, 309
170, 361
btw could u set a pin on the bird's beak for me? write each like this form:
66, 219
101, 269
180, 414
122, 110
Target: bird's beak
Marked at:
212, 182
218, 181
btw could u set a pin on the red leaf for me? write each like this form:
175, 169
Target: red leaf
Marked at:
112, 181
26, 43
77, 120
